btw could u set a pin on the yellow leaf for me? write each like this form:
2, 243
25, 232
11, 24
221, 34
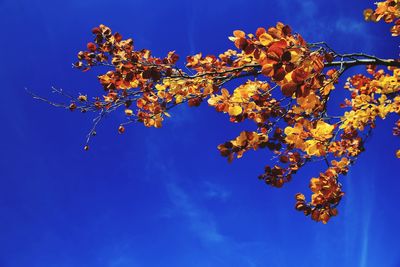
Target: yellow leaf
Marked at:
128, 112
295, 56
265, 39
300, 197
314, 147
160, 87
241, 139
212, 101
322, 131
327, 89
178, 99
134, 83
315, 184
309, 103
235, 110
297, 129
82, 98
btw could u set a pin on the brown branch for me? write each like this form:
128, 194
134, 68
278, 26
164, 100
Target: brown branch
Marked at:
202, 74
345, 64
364, 61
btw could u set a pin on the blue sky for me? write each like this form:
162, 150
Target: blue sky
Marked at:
164, 197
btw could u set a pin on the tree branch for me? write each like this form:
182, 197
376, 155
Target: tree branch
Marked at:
345, 64
364, 61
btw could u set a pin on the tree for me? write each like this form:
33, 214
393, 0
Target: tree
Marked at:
285, 91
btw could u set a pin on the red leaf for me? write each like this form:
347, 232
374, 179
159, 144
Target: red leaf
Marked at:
260, 31
279, 74
289, 88
96, 30
299, 75
118, 37
91, 47
287, 30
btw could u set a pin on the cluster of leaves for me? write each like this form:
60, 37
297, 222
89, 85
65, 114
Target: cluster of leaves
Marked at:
389, 11
285, 97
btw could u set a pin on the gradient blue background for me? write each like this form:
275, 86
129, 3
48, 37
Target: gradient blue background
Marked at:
164, 197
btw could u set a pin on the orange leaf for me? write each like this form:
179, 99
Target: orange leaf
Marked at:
299, 75
267, 70
239, 34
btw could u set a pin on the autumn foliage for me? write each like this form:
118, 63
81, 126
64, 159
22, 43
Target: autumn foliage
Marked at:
285, 91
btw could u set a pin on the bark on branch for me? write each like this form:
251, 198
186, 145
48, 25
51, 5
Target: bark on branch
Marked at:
364, 61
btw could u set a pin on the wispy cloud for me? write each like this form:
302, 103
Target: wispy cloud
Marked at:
365, 240
191, 21
216, 191
359, 202
349, 25
368, 204
308, 8
223, 249
194, 217
200, 221
122, 262
314, 27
